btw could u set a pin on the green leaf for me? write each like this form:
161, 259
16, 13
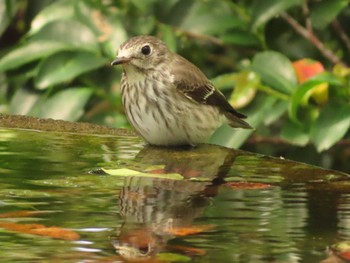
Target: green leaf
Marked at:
256, 113
295, 134
168, 36
7, 10
299, 96
240, 37
71, 32
210, 17
114, 38
263, 10
324, 12
58, 10
30, 52
66, 105
66, 66
279, 109
331, 126
275, 70
142, 5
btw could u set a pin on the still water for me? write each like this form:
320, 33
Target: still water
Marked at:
58, 204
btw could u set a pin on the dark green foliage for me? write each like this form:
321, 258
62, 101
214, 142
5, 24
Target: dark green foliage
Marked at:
55, 55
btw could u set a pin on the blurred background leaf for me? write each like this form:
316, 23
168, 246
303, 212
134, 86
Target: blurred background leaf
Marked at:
283, 63
73, 99
324, 12
262, 11
275, 70
331, 126
66, 66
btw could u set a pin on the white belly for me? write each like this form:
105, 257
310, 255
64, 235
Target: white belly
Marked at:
161, 120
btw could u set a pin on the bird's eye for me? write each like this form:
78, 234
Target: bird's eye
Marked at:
146, 50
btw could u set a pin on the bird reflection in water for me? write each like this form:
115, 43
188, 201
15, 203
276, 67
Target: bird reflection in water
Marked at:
156, 210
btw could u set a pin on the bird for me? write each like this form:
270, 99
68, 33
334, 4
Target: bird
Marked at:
168, 100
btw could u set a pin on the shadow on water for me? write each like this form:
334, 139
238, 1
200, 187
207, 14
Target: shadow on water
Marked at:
204, 204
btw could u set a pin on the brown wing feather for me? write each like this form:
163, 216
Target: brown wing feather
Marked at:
191, 82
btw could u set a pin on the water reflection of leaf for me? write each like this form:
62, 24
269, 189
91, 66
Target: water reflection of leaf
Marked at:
190, 251
41, 230
190, 230
172, 257
22, 214
247, 185
79, 182
338, 252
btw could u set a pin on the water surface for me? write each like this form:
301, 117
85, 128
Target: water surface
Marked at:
57, 205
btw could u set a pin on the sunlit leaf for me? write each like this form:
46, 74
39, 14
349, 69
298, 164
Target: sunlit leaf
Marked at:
23, 101
244, 83
275, 70
340, 70
245, 88
332, 124
66, 105
30, 52
71, 32
125, 172
325, 11
264, 10
66, 66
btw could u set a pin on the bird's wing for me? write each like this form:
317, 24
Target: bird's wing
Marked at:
193, 84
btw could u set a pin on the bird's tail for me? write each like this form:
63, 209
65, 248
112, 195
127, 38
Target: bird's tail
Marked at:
237, 121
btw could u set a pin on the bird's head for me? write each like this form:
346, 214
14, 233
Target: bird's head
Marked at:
142, 52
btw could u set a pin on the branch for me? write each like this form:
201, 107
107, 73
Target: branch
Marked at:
214, 40
306, 13
329, 54
341, 33
257, 139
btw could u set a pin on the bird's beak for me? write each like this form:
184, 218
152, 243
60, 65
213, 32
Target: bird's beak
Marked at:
120, 60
